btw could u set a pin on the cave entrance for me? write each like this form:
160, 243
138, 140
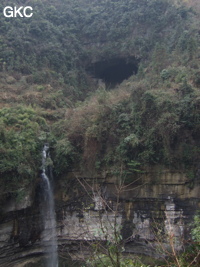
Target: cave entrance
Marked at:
114, 71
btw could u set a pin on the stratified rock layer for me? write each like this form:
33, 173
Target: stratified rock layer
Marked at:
163, 200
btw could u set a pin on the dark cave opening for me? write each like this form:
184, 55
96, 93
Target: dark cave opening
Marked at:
114, 71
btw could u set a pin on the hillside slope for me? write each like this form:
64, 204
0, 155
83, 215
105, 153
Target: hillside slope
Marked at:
53, 69
114, 88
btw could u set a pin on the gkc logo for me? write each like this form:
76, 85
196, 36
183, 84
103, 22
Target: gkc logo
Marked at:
13, 12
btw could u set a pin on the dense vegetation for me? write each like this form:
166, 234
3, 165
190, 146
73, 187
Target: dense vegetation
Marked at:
47, 94
22, 135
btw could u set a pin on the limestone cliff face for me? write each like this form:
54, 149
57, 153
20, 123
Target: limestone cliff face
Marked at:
157, 199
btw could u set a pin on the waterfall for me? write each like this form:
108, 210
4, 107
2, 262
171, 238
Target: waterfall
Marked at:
48, 214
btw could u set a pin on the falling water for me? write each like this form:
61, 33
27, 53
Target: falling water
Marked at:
48, 214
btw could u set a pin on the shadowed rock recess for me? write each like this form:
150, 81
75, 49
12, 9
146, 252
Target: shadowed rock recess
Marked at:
114, 71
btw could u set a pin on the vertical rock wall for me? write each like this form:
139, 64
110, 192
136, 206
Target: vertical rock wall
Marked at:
157, 205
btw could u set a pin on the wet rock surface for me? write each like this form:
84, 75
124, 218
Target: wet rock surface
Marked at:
161, 201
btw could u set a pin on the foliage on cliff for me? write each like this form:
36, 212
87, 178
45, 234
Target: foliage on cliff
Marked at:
151, 118
65, 35
22, 133
136, 123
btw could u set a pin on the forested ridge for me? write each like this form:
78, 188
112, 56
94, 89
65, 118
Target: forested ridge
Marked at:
48, 93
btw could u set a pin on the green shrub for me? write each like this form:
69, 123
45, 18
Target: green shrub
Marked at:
64, 155
20, 145
165, 74
196, 229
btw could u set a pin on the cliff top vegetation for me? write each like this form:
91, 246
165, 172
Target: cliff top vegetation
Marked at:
53, 68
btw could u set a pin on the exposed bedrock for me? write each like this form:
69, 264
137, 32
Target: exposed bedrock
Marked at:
158, 201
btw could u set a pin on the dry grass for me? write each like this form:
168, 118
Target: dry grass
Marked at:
94, 108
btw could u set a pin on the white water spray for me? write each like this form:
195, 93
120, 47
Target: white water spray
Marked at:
48, 213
